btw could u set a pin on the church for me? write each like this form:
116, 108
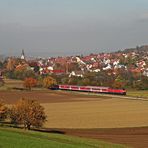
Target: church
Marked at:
23, 55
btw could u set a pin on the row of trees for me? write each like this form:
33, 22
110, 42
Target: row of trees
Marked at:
122, 80
45, 82
26, 113
20, 75
94, 79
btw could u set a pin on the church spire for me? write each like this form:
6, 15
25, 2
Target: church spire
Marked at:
23, 55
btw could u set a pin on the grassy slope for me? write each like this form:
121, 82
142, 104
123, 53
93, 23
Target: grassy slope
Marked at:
14, 138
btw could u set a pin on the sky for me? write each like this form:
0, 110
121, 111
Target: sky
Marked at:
70, 27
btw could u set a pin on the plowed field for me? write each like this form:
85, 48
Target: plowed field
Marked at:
100, 117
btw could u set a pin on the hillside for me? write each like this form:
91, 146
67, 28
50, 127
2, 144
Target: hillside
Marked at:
122, 69
10, 138
143, 48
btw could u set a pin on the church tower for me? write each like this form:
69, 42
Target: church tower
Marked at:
23, 55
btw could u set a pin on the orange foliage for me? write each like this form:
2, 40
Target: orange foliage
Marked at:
3, 111
30, 82
27, 113
48, 82
118, 84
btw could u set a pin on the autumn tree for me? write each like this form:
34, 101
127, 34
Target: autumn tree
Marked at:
22, 74
73, 80
3, 111
27, 113
48, 82
119, 82
85, 81
142, 83
29, 83
10, 64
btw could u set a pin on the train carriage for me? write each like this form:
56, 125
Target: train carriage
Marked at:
93, 89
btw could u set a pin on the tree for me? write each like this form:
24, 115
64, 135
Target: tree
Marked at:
22, 74
27, 113
1, 65
48, 82
119, 82
141, 84
85, 81
11, 64
30, 82
3, 111
1, 82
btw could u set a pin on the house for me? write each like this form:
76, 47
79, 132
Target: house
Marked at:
21, 67
107, 67
76, 74
145, 73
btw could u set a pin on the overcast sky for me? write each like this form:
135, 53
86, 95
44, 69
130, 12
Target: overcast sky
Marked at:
60, 27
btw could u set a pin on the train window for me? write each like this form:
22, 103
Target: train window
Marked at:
104, 89
95, 89
74, 87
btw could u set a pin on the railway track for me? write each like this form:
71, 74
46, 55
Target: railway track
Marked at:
110, 95
124, 97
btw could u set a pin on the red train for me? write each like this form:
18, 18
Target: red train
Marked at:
94, 89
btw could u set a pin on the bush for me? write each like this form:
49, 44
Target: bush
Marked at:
1, 83
3, 111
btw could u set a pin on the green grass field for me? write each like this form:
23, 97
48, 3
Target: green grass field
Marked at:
138, 93
10, 84
15, 138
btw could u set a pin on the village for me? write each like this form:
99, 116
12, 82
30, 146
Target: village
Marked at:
107, 68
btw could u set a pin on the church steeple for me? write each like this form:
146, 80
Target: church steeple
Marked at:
23, 55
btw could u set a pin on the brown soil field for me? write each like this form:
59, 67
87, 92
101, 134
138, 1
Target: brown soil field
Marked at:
132, 137
99, 117
72, 110
110, 113
46, 96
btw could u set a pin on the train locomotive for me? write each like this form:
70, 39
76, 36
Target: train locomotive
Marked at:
93, 89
